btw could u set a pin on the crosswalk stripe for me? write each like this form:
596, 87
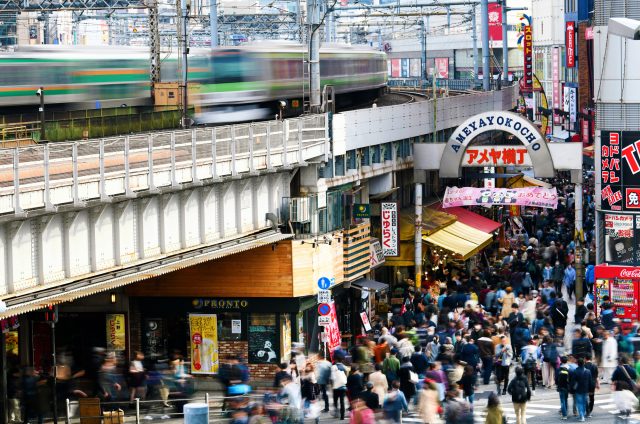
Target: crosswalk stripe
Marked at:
601, 401
607, 406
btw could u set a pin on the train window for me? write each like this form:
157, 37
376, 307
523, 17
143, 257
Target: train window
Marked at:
231, 67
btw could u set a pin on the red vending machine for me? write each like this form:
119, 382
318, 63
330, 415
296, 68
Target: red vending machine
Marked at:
621, 284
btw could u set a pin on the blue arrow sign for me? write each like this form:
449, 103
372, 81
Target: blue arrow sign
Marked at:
324, 283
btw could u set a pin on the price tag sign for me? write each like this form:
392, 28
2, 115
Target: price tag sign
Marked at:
324, 296
324, 320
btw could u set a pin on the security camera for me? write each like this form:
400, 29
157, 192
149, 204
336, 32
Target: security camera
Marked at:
39, 92
625, 28
282, 104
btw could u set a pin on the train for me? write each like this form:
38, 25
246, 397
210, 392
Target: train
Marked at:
227, 84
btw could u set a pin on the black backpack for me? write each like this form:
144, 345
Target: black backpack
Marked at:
563, 378
550, 353
519, 390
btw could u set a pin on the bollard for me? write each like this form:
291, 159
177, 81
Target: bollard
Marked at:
68, 410
137, 410
196, 413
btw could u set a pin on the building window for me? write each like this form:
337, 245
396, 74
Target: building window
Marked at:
230, 326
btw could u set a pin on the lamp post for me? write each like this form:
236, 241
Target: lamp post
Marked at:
40, 93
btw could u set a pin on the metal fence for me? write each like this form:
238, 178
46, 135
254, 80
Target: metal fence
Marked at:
448, 83
60, 173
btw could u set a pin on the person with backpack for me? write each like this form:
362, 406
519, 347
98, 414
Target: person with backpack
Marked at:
559, 312
530, 358
520, 395
549, 353
595, 384
458, 411
580, 385
504, 356
562, 381
339, 384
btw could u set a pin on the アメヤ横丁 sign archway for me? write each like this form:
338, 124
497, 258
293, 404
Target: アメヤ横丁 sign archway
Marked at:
512, 123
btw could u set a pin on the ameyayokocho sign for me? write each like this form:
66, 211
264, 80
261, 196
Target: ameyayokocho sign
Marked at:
620, 170
389, 224
528, 196
525, 131
482, 156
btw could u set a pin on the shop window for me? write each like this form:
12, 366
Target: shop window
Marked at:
230, 326
264, 345
285, 337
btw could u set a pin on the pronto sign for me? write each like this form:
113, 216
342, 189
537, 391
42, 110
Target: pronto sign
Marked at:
454, 152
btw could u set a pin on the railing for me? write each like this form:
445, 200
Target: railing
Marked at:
451, 84
45, 176
356, 251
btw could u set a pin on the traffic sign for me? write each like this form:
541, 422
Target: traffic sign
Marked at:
324, 309
324, 296
324, 320
324, 283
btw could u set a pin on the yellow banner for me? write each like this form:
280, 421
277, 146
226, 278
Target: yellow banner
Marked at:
203, 331
116, 332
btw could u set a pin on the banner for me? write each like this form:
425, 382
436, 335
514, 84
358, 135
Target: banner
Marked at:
395, 68
332, 331
570, 44
528, 196
571, 103
116, 333
528, 58
442, 67
389, 223
203, 333
555, 71
415, 66
495, 22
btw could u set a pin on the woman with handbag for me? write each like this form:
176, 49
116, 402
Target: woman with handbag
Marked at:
408, 379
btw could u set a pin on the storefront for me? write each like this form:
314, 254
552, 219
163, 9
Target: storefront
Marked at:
622, 285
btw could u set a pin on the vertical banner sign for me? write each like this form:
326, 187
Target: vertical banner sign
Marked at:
570, 44
442, 67
571, 103
203, 332
495, 22
116, 333
528, 58
334, 339
395, 68
389, 220
556, 83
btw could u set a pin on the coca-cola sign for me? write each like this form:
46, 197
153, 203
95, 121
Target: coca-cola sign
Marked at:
630, 273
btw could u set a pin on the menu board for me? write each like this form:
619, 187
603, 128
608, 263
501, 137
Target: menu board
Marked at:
263, 339
622, 292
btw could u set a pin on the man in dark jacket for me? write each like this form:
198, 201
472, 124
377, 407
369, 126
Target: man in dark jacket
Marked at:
487, 351
469, 352
581, 311
563, 377
595, 384
559, 312
581, 345
370, 398
520, 394
580, 385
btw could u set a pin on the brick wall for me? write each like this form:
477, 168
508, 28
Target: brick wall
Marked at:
584, 73
260, 373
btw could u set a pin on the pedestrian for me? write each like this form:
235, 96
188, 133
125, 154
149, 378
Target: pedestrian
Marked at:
495, 414
291, 396
395, 403
408, 379
487, 351
624, 399
468, 384
549, 353
355, 382
370, 398
558, 275
595, 383
458, 411
309, 387
323, 377
624, 372
429, 403
562, 381
391, 365
559, 312
520, 395
339, 384
137, 378
504, 356
580, 385
361, 413
507, 302
569, 280
609, 356
530, 358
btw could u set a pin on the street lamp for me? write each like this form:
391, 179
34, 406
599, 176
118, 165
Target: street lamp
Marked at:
40, 93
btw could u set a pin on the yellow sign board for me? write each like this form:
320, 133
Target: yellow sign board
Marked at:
203, 331
116, 332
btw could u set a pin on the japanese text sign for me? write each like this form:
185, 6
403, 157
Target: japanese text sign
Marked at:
528, 196
389, 223
528, 57
482, 156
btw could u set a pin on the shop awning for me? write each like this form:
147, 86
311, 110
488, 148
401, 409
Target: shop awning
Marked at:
471, 219
460, 239
67, 292
371, 285
521, 181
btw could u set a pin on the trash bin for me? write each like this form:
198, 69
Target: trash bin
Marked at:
196, 413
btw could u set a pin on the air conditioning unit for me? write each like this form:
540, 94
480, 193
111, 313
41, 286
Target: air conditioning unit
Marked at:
299, 209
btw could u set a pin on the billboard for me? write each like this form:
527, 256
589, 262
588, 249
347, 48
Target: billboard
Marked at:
415, 67
620, 170
389, 224
495, 22
570, 44
618, 238
528, 58
475, 196
442, 67
203, 331
395, 68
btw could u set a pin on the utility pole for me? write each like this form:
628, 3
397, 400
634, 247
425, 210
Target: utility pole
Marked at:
418, 236
185, 63
423, 47
484, 23
474, 38
505, 43
40, 93
313, 23
213, 23
154, 42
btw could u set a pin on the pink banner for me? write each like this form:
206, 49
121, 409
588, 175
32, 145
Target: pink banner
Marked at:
334, 338
528, 196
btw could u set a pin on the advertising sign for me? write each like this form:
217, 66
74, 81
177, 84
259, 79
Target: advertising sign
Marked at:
620, 170
588, 33
481, 156
570, 44
375, 252
555, 71
116, 332
495, 22
334, 339
528, 57
389, 224
528, 196
414, 68
361, 210
365, 321
203, 333
404, 68
571, 103
395, 68
618, 235
442, 67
